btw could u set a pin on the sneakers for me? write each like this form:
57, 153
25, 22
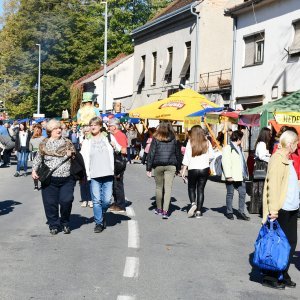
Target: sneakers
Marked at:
66, 229
165, 214
192, 210
90, 204
198, 214
54, 231
229, 216
36, 189
273, 284
98, 228
242, 216
25, 174
17, 174
158, 211
84, 204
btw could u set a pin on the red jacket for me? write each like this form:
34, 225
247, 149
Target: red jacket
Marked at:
296, 159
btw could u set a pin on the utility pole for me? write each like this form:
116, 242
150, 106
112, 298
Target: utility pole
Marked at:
39, 81
105, 62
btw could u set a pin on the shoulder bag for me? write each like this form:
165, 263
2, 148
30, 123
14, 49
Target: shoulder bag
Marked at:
120, 161
45, 173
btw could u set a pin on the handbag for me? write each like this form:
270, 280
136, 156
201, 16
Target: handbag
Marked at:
259, 174
120, 161
77, 167
260, 169
45, 173
272, 249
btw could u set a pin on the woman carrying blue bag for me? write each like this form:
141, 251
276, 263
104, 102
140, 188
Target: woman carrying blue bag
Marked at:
281, 203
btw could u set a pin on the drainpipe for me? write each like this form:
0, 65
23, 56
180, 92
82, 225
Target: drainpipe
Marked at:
232, 102
197, 42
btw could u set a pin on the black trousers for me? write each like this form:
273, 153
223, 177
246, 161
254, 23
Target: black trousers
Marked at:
196, 183
58, 197
6, 155
118, 190
288, 223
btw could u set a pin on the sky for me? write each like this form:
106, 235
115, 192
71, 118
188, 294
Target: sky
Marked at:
1, 3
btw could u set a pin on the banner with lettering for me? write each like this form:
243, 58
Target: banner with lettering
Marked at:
287, 118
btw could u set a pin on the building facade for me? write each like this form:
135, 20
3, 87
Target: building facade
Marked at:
266, 50
189, 44
119, 84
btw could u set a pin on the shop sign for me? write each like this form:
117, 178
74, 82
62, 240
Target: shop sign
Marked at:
288, 118
191, 121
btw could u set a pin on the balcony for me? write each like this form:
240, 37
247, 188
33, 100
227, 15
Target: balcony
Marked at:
217, 80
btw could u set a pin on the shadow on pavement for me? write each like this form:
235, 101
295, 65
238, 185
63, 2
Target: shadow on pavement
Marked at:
172, 206
255, 274
76, 221
223, 209
7, 206
114, 219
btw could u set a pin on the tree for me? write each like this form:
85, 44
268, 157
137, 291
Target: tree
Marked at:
71, 34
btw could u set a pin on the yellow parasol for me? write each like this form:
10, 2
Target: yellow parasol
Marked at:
175, 108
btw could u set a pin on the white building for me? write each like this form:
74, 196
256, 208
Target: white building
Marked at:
119, 84
266, 54
189, 43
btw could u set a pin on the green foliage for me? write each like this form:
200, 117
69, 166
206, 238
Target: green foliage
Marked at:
71, 34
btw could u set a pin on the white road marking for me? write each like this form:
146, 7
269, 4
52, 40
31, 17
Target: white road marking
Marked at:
131, 267
133, 234
130, 212
126, 297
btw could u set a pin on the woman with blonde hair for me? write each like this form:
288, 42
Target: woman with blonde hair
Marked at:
165, 158
98, 155
56, 152
196, 158
34, 144
281, 200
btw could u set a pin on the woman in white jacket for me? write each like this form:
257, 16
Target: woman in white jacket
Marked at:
98, 155
198, 152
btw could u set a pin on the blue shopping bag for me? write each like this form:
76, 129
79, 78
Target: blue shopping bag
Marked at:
272, 248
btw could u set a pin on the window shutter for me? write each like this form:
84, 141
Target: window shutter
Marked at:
186, 64
141, 78
249, 51
295, 47
169, 66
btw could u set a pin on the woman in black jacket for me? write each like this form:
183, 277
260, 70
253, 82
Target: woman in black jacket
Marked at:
165, 158
22, 147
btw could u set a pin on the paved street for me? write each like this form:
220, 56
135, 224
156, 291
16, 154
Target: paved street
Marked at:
139, 255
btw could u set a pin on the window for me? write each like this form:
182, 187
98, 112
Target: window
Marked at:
185, 71
141, 80
254, 49
154, 67
295, 47
168, 72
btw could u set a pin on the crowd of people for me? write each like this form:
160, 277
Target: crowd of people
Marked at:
94, 148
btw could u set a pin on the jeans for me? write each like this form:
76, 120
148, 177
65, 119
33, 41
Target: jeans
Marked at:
85, 190
101, 191
196, 182
22, 159
164, 176
118, 191
59, 194
240, 186
130, 152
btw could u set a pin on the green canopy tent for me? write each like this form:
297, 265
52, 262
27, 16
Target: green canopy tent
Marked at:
290, 103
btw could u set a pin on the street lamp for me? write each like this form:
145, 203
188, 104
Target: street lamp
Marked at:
39, 81
105, 61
